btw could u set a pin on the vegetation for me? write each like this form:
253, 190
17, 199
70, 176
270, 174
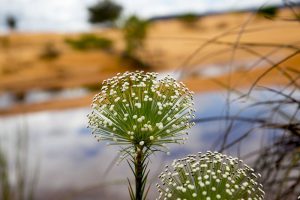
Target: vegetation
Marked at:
16, 181
135, 32
270, 112
268, 12
11, 22
90, 41
50, 52
278, 159
189, 19
209, 175
104, 12
141, 114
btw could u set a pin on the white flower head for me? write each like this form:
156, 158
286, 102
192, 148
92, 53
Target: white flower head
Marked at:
202, 176
155, 111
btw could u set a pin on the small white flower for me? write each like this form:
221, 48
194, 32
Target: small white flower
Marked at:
138, 105
142, 143
140, 119
191, 187
111, 107
160, 125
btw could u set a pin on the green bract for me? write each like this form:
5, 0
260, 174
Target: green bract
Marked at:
137, 110
209, 176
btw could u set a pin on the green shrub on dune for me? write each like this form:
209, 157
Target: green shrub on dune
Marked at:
89, 41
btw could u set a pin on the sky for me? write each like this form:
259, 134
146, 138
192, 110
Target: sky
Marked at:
72, 15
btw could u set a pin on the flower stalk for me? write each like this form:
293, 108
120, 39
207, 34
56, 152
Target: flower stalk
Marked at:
139, 168
141, 114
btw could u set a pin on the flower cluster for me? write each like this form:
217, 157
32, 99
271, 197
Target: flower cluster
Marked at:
209, 176
136, 109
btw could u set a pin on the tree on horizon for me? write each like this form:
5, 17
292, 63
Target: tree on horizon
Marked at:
11, 22
106, 12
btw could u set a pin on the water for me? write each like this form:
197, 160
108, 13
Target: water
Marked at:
8, 100
73, 165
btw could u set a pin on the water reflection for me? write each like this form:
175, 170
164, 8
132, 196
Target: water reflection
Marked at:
8, 99
73, 165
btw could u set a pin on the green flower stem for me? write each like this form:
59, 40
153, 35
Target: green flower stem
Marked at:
139, 168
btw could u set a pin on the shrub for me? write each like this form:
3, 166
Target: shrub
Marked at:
104, 12
89, 41
268, 12
189, 19
11, 22
135, 33
50, 52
